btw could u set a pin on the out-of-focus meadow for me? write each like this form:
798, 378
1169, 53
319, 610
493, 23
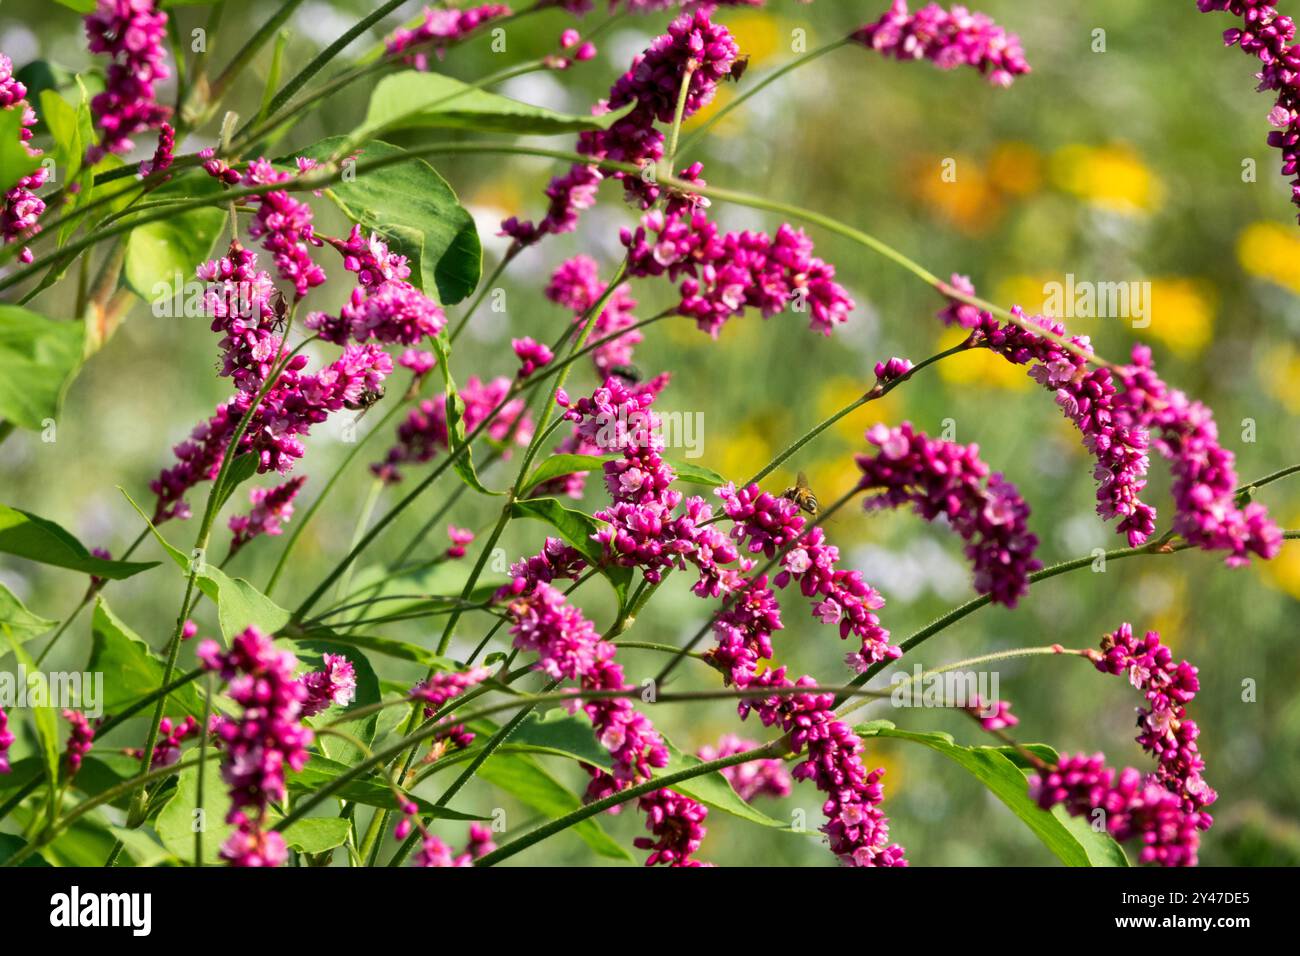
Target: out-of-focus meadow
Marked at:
1123, 165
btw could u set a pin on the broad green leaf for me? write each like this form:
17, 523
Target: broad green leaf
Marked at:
11, 844
39, 357
370, 791
316, 834
417, 213
561, 733
27, 536
131, 667
162, 255
557, 466
1073, 845
242, 468
36, 539
577, 529
455, 405
415, 100
15, 161
389, 647
695, 474
143, 848
533, 786
177, 822
18, 623
239, 604
43, 715
64, 123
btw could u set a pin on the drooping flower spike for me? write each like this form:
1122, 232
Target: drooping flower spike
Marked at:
942, 479
1164, 812
948, 38
1266, 35
133, 33
20, 207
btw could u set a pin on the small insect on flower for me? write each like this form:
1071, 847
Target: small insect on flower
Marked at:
738, 69
367, 400
802, 495
280, 305
628, 373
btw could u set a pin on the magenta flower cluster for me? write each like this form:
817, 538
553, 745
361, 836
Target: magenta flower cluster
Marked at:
942, 479
1163, 811
648, 93
271, 508
21, 207
1266, 35
645, 531
576, 285
424, 432
80, 740
757, 778
433, 852
1117, 411
436, 692
262, 743
167, 746
440, 28
948, 38
6, 741
722, 274
133, 33
334, 685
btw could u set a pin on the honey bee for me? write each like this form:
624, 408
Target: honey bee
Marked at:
629, 373
367, 400
802, 495
738, 69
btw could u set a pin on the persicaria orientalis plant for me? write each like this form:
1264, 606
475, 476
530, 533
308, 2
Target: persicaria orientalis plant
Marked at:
265, 709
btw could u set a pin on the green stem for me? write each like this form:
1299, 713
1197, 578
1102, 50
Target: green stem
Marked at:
697, 134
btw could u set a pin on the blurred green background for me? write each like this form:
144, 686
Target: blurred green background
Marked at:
1122, 165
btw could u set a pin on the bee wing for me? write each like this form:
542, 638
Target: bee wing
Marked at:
801, 480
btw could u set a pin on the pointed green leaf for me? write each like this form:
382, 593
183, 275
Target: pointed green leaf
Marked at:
131, 668
39, 357
36, 539
17, 622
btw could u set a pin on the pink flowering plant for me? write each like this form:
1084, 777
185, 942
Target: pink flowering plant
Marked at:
374, 695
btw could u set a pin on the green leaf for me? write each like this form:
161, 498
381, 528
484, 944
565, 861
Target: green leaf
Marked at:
242, 468
533, 786
39, 357
415, 100
370, 791
65, 125
162, 255
455, 405
563, 734
177, 820
133, 669
81, 6
316, 834
417, 212
1073, 845
44, 716
576, 528
239, 604
696, 474
18, 623
11, 844
558, 466
28, 536
15, 161
143, 848
401, 650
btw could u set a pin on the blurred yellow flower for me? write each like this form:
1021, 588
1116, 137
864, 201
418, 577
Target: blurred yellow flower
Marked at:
967, 199
1269, 250
1016, 169
1113, 177
1283, 572
1182, 314
980, 366
1028, 292
742, 451
842, 390
1280, 368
